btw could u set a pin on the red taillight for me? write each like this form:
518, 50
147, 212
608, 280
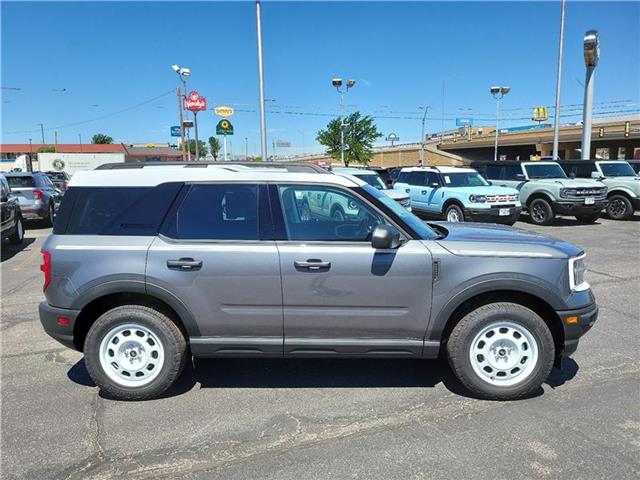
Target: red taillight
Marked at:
37, 194
64, 185
46, 268
63, 321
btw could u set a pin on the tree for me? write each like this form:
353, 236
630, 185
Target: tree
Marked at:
359, 135
101, 138
47, 149
215, 147
202, 148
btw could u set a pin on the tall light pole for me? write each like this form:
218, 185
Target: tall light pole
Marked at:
424, 119
246, 148
337, 82
556, 114
591, 55
41, 131
184, 73
498, 93
263, 121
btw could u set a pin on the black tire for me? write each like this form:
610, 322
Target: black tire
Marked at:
337, 213
18, 234
48, 220
464, 333
540, 212
619, 207
588, 217
164, 330
454, 210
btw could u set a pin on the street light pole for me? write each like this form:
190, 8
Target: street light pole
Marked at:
263, 122
556, 115
42, 131
498, 93
183, 73
337, 82
246, 148
424, 118
591, 55
184, 146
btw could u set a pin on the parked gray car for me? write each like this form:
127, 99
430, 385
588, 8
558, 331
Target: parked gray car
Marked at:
148, 267
12, 224
36, 194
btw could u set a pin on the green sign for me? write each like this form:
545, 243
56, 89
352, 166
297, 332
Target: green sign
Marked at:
224, 127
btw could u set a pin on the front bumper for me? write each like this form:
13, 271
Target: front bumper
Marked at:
492, 215
49, 318
635, 203
576, 323
578, 208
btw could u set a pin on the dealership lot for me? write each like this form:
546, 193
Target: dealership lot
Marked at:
319, 418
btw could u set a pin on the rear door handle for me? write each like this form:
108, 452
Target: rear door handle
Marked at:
186, 264
424, 192
407, 190
312, 264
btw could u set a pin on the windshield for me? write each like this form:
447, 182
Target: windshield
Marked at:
464, 179
372, 179
21, 182
417, 225
545, 170
622, 169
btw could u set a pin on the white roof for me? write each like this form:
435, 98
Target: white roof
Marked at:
152, 176
441, 169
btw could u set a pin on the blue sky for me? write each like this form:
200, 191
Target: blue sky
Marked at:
109, 56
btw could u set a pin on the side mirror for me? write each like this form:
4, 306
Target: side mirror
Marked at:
572, 175
597, 175
520, 176
434, 185
489, 182
385, 237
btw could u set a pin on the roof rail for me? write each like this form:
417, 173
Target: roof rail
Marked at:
289, 167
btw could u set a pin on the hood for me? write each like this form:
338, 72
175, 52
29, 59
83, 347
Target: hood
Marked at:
487, 190
491, 240
570, 182
395, 194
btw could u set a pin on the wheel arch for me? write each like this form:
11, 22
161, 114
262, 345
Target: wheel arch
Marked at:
535, 302
540, 194
452, 201
620, 191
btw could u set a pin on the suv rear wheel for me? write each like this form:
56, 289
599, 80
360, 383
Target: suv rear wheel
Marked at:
619, 207
48, 220
18, 234
501, 351
541, 212
134, 352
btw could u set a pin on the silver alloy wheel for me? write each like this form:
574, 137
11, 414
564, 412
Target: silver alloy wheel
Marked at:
131, 355
503, 353
453, 215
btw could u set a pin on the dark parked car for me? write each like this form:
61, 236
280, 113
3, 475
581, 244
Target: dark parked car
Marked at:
36, 194
12, 226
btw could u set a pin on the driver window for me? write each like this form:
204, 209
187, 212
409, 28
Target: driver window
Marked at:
328, 214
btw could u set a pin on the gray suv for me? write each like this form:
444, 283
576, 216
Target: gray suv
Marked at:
146, 268
37, 195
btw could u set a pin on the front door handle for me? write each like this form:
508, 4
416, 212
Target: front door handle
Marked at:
424, 192
407, 190
186, 264
312, 264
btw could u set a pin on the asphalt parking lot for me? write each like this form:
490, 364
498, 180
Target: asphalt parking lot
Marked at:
321, 419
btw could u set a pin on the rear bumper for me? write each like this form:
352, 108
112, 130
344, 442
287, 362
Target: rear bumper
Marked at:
492, 215
49, 318
34, 211
585, 318
575, 208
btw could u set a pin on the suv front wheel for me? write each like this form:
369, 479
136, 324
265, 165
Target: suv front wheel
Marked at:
619, 207
541, 212
134, 352
501, 351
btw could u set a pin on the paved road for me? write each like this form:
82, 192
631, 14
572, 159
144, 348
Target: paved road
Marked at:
239, 419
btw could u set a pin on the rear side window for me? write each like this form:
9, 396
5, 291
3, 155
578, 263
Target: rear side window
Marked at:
511, 172
114, 210
219, 212
403, 177
417, 178
492, 171
22, 182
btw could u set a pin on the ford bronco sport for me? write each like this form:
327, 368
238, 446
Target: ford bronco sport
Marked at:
147, 268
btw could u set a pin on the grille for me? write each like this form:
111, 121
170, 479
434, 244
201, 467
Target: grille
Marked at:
501, 198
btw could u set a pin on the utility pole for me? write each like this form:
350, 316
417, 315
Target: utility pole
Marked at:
80, 140
184, 145
263, 123
591, 55
42, 132
246, 148
424, 118
556, 114
55, 141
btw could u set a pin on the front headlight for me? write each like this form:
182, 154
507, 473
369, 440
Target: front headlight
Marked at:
477, 198
568, 192
577, 272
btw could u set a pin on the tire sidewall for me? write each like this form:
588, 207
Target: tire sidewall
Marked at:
549, 212
155, 322
454, 207
515, 314
628, 207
